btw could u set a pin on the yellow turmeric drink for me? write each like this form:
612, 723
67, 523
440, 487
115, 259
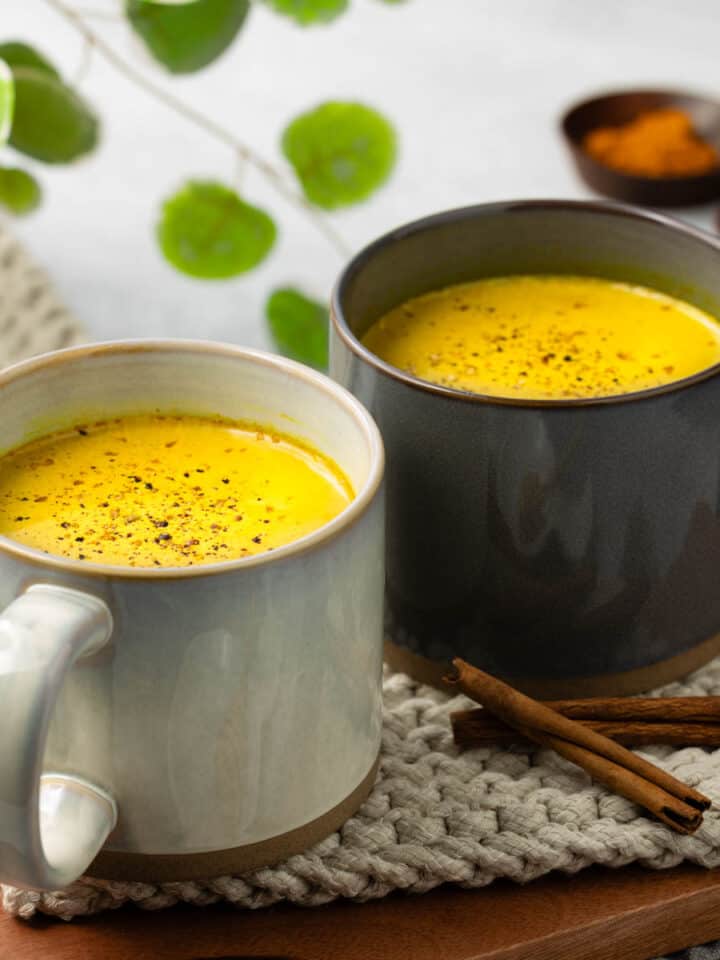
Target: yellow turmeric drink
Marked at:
164, 491
547, 337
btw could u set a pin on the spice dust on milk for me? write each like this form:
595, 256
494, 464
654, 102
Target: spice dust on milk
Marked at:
166, 491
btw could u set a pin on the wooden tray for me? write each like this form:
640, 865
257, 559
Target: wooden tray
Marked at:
598, 914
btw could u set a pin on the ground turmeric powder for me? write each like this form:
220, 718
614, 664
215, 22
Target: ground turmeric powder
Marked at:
657, 143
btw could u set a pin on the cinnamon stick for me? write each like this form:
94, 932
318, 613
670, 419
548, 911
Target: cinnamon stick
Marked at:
696, 709
670, 800
479, 728
675, 813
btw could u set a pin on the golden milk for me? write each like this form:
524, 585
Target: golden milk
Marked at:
547, 337
166, 491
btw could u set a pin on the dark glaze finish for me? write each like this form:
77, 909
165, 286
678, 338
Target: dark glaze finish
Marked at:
618, 108
542, 539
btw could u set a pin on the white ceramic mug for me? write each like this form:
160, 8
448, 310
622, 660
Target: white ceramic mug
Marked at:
176, 723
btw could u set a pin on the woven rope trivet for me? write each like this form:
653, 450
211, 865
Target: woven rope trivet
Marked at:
32, 320
434, 815
437, 815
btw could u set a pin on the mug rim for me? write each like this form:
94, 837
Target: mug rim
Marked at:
359, 505
342, 328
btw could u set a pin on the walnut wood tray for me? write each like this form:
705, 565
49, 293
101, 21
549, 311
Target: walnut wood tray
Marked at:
598, 914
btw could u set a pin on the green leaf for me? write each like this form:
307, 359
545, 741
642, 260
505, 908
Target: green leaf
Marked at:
187, 37
299, 326
19, 191
207, 231
52, 123
306, 12
341, 152
7, 101
15, 53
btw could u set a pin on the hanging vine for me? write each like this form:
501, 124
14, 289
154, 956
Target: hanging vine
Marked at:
337, 153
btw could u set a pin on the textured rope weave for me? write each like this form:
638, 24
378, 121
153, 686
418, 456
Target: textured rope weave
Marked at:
436, 815
32, 320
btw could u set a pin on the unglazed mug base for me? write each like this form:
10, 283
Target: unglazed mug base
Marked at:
627, 683
166, 868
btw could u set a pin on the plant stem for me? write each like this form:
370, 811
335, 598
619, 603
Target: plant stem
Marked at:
242, 150
84, 65
239, 173
98, 14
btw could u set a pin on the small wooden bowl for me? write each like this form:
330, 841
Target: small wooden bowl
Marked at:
619, 108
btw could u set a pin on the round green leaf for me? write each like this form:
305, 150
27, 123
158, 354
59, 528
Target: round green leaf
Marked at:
207, 231
19, 191
306, 12
52, 123
7, 101
299, 326
187, 37
15, 53
341, 152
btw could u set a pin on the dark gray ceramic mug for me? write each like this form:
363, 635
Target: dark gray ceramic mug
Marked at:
572, 546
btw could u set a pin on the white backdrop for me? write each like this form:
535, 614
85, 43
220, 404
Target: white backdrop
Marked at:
475, 88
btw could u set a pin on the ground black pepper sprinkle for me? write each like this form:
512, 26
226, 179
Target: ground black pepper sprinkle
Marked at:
194, 518
578, 318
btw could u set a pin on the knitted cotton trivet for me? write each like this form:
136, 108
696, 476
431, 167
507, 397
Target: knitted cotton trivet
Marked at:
32, 319
437, 815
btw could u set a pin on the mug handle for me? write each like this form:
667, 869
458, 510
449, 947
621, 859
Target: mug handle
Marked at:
51, 825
